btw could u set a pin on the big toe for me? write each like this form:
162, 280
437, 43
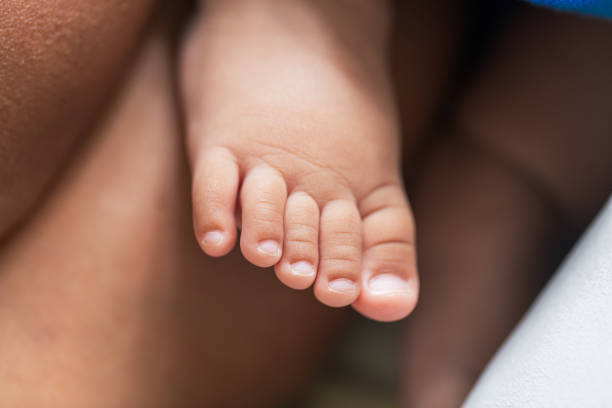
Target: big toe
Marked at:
389, 287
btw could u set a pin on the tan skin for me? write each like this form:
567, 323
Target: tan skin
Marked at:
58, 65
522, 171
103, 286
106, 287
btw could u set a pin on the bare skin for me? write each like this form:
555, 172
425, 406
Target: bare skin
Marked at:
307, 142
57, 66
526, 167
105, 289
103, 286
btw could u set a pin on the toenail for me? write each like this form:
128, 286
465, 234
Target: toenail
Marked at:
302, 268
387, 283
342, 285
269, 247
213, 237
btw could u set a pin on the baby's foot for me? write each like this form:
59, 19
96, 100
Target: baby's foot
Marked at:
291, 125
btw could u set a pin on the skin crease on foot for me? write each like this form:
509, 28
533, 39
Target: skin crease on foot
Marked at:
139, 311
303, 146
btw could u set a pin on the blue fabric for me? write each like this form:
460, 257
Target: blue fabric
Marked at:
601, 8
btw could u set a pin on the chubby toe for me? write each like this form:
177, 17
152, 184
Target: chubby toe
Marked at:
298, 266
214, 193
338, 281
262, 197
389, 275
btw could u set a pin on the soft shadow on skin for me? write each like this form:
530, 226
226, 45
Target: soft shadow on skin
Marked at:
106, 284
57, 66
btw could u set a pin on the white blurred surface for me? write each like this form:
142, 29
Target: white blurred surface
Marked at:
560, 355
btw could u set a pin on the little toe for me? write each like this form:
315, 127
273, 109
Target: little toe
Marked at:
338, 280
298, 266
214, 192
262, 200
389, 276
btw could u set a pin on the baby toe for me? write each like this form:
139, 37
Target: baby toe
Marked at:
214, 201
262, 199
338, 280
297, 269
